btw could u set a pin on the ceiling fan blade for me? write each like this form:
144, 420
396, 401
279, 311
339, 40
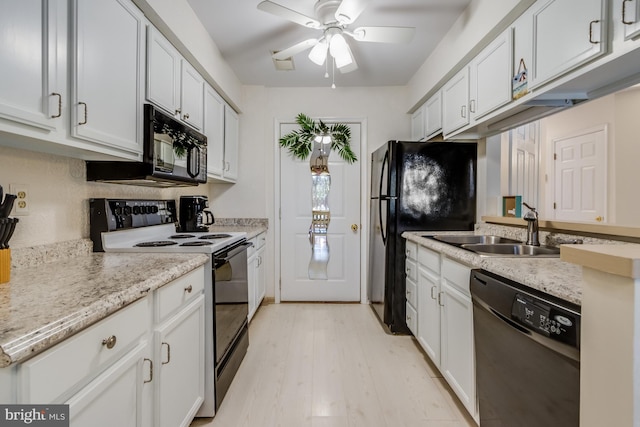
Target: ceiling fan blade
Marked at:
384, 34
288, 14
295, 49
349, 10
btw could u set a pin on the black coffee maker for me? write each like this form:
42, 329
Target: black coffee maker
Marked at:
193, 215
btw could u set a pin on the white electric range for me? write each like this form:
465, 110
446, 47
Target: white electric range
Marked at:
150, 226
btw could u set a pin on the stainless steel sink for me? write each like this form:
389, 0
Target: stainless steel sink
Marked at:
468, 239
513, 250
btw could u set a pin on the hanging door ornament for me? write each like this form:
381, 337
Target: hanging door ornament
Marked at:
320, 212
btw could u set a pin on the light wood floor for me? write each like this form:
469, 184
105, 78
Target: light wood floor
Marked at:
321, 365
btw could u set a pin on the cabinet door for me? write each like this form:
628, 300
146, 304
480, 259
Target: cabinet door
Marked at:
252, 278
120, 396
490, 78
261, 283
231, 134
433, 115
192, 96
32, 54
108, 58
417, 125
163, 72
214, 130
458, 362
455, 96
180, 366
429, 314
630, 18
567, 33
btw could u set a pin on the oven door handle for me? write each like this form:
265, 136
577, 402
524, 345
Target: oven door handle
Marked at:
233, 252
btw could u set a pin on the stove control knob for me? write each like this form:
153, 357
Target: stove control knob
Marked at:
117, 210
154, 209
127, 210
136, 210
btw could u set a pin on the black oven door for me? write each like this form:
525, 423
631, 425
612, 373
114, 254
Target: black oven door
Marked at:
231, 297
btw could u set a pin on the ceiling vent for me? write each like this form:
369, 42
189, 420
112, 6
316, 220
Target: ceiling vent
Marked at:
285, 64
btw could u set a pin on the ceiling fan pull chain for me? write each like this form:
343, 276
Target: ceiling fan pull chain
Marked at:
326, 69
333, 85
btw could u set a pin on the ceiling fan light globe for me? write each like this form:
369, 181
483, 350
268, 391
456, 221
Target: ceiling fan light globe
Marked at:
319, 53
340, 51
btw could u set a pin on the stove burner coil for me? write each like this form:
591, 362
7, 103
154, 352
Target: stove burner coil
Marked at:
181, 236
155, 243
215, 236
197, 243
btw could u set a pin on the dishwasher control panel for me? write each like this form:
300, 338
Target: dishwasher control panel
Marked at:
545, 319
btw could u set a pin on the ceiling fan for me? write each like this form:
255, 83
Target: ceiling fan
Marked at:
333, 18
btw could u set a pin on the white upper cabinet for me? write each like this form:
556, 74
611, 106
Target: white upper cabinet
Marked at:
231, 141
417, 124
172, 83
214, 130
106, 78
490, 76
630, 18
566, 34
163, 72
455, 97
433, 115
191, 96
32, 63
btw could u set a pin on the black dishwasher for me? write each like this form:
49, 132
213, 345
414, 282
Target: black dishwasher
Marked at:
527, 354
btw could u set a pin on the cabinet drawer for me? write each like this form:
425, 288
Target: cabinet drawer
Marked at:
412, 319
411, 269
411, 293
429, 259
457, 274
261, 239
411, 250
46, 377
179, 292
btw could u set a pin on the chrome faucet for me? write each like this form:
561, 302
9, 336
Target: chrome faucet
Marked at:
532, 226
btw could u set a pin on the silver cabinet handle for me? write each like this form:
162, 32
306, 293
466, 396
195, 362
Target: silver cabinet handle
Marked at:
433, 288
463, 111
59, 105
177, 111
472, 106
624, 13
185, 117
440, 299
591, 31
188, 289
85, 113
150, 370
109, 342
168, 352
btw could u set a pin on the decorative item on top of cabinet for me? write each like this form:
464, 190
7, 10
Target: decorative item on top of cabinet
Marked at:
107, 101
172, 83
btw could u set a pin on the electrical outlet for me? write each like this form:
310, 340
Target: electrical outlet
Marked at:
21, 205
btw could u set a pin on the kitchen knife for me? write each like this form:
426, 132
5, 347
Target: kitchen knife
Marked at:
5, 226
12, 228
1, 194
7, 205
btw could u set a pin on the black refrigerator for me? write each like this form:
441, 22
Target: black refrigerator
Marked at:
427, 186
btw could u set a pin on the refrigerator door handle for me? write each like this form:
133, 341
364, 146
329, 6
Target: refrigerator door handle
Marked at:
385, 164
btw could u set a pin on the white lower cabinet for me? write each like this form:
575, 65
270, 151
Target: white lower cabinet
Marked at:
411, 294
179, 366
126, 370
445, 322
257, 273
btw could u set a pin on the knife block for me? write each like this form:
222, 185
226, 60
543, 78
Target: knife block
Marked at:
5, 265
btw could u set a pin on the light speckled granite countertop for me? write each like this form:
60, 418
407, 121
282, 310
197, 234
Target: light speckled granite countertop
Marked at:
45, 304
550, 275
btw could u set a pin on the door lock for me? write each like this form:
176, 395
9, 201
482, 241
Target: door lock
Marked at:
354, 227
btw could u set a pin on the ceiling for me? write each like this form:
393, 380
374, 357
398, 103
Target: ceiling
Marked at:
246, 37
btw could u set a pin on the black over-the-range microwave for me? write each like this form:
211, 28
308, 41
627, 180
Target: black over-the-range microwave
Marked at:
174, 154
